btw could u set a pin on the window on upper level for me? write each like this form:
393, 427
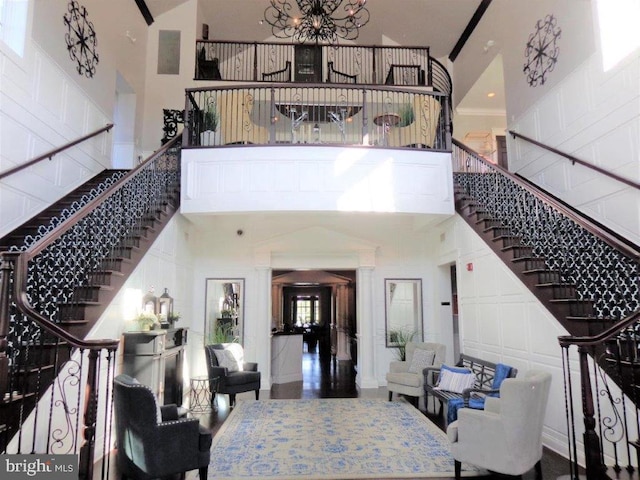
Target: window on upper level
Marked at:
13, 24
618, 21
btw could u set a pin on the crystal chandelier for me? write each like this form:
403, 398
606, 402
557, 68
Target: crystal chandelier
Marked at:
317, 20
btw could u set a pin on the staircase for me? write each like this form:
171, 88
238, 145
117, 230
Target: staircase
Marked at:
58, 274
589, 279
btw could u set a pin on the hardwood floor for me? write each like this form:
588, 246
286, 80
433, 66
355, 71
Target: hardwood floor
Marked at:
331, 379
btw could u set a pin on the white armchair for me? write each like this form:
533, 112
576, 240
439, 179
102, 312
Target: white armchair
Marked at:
407, 378
505, 437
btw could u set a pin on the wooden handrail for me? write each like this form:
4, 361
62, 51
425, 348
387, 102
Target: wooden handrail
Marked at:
575, 160
630, 250
55, 151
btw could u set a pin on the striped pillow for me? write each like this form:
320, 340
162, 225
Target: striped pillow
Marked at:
453, 379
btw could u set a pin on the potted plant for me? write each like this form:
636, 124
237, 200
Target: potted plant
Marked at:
146, 321
210, 134
399, 339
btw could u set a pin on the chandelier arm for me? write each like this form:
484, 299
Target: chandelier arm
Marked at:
317, 20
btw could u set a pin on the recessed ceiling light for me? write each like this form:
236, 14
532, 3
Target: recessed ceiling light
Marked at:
491, 94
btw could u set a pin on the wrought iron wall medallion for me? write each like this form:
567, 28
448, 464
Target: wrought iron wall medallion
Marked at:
541, 52
81, 39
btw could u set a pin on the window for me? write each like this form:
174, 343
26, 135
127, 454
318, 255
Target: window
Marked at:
13, 24
307, 311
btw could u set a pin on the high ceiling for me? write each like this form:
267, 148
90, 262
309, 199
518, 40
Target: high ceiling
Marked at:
436, 23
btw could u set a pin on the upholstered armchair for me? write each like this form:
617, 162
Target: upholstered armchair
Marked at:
505, 437
152, 441
236, 119
421, 133
406, 377
225, 361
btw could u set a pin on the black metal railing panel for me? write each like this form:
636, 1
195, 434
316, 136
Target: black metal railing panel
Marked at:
602, 273
605, 432
373, 65
282, 114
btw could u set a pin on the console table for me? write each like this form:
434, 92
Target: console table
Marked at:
156, 358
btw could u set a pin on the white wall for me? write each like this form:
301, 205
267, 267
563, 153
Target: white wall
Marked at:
45, 103
378, 246
588, 107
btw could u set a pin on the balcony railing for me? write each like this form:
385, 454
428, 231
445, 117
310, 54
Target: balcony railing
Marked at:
317, 114
286, 62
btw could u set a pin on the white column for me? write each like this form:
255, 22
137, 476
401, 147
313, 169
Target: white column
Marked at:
366, 377
263, 325
342, 324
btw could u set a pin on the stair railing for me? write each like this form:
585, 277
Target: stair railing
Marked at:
43, 296
608, 273
49, 155
575, 160
605, 270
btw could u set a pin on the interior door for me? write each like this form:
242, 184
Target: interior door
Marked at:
308, 63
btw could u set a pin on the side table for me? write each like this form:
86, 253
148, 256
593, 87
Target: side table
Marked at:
200, 393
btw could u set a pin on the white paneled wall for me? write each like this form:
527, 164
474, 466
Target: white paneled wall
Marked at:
595, 116
42, 108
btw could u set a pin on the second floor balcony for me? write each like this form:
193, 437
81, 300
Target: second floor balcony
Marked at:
316, 147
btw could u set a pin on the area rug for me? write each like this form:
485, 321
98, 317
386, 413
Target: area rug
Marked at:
329, 439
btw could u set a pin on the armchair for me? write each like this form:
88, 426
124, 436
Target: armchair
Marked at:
236, 123
505, 437
421, 133
152, 441
226, 362
406, 377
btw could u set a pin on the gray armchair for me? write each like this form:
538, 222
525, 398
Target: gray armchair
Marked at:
505, 437
406, 377
230, 380
152, 441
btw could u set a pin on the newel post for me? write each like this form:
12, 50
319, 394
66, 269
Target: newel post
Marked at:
596, 470
85, 470
6, 269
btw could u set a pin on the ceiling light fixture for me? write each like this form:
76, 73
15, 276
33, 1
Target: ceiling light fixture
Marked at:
491, 94
317, 20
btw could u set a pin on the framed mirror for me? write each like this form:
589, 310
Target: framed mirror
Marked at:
224, 310
403, 311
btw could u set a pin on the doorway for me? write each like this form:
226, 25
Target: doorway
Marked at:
320, 306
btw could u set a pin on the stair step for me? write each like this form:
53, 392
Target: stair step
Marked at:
72, 312
103, 277
89, 293
577, 307
560, 290
508, 240
519, 250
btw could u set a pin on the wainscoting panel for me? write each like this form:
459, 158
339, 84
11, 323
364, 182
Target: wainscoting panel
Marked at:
43, 108
316, 178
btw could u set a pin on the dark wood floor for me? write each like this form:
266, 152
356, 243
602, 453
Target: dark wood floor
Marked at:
331, 379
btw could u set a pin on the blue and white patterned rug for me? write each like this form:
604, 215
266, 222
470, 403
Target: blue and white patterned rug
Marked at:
329, 439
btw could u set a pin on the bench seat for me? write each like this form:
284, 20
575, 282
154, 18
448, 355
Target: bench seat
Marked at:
485, 373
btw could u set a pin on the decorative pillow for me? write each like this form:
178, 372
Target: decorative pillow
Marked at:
454, 379
421, 359
230, 358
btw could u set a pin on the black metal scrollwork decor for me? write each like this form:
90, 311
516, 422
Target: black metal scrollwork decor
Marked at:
81, 39
542, 51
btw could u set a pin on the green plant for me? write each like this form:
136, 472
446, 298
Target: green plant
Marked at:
146, 320
398, 339
406, 115
222, 334
210, 117
173, 317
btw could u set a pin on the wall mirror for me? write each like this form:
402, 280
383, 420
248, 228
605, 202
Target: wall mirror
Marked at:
224, 310
403, 311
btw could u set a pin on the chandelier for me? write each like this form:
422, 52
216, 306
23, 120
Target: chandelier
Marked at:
317, 20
